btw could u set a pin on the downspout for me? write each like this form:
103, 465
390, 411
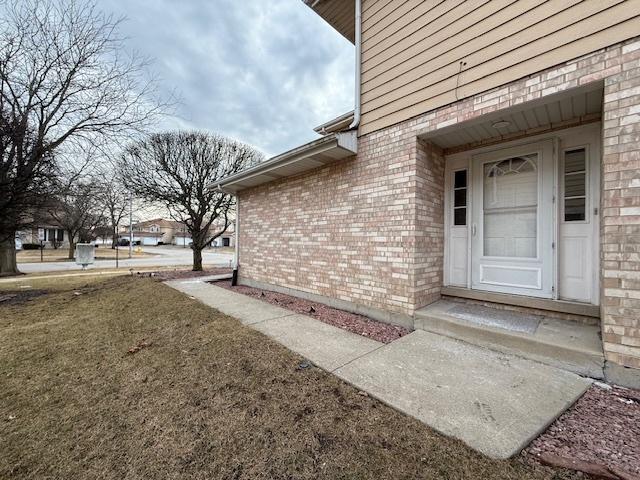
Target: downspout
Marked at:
236, 260
236, 234
358, 40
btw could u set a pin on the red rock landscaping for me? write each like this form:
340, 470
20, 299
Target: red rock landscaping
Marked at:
599, 435
359, 324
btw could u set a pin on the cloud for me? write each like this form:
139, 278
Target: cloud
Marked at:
262, 72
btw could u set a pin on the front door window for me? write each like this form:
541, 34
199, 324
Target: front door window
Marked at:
512, 220
511, 207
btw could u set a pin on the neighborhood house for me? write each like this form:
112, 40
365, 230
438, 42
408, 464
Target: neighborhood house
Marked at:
492, 158
159, 231
49, 236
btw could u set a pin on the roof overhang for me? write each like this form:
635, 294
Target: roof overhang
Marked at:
565, 109
340, 14
323, 151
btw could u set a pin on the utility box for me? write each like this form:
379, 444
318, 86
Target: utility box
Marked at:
85, 254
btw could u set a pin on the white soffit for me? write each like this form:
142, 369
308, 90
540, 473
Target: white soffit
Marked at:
583, 103
340, 14
323, 151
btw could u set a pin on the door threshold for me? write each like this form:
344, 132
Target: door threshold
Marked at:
561, 306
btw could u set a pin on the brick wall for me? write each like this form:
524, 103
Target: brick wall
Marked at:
345, 231
370, 230
621, 206
425, 276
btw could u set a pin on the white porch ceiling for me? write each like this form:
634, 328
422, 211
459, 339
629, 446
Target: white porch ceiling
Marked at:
555, 111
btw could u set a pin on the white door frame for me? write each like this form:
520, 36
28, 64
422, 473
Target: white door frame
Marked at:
562, 140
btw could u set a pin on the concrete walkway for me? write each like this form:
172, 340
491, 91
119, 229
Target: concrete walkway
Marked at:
494, 402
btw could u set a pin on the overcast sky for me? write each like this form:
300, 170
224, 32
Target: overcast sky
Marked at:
263, 72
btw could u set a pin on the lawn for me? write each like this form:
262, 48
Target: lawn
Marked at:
204, 398
62, 254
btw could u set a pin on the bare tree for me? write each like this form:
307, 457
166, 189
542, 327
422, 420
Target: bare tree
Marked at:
77, 208
113, 197
176, 169
63, 78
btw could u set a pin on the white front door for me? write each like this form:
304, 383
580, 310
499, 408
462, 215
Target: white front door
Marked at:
512, 220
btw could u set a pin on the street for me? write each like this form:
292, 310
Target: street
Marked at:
162, 257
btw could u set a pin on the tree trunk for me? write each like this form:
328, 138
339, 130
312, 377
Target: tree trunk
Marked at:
114, 240
8, 264
72, 246
197, 259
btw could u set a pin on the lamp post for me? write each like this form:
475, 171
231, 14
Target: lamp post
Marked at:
130, 225
117, 235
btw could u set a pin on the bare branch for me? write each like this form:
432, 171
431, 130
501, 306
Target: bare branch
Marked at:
65, 79
176, 169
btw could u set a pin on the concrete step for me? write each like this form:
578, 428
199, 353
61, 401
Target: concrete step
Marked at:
563, 344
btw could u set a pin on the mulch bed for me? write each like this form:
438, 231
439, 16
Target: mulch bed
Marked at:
599, 435
358, 324
19, 296
165, 275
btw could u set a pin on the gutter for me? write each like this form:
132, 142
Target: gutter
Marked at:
358, 41
343, 140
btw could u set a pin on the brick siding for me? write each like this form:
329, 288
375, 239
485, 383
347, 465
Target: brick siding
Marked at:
621, 206
370, 229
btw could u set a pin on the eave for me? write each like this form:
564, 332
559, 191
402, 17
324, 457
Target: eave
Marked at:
325, 150
340, 14
338, 124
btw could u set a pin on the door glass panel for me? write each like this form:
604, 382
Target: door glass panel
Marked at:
460, 198
574, 185
510, 191
574, 209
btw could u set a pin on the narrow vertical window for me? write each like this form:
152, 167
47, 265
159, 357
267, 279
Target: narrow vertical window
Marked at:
460, 198
575, 185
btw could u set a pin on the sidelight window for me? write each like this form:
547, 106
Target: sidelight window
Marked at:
460, 198
575, 185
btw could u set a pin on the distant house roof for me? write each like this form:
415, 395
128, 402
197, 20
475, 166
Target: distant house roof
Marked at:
160, 222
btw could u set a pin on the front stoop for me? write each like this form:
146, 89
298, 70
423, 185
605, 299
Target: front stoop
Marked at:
561, 343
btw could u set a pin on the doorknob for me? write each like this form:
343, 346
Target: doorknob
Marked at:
473, 230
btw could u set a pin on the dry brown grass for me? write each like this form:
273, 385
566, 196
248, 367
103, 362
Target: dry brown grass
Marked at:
209, 398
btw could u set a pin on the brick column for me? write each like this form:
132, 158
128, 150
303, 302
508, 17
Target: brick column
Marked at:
621, 215
428, 256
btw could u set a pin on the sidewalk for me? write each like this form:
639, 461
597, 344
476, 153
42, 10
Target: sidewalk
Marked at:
496, 403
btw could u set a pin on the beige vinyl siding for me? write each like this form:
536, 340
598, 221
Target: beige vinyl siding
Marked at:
412, 49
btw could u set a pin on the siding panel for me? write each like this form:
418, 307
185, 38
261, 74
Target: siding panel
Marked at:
527, 43
412, 61
489, 23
